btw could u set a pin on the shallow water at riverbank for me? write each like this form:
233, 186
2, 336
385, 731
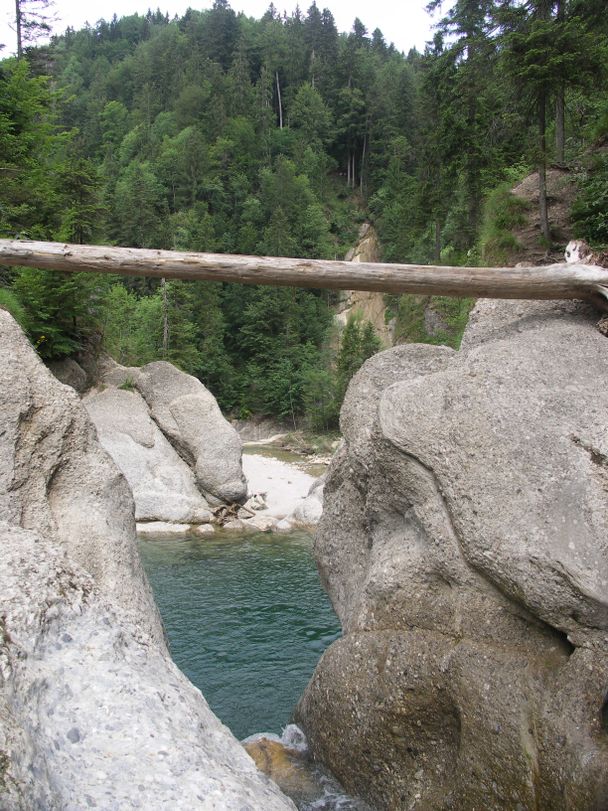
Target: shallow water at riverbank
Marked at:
247, 620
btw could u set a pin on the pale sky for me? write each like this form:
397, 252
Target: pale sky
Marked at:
404, 22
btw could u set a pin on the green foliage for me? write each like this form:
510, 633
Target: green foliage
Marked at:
358, 343
218, 132
128, 384
10, 302
62, 309
590, 209
502, 212
415, 314
28, 192
132, 327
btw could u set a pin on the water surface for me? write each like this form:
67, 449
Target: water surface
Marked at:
247, 621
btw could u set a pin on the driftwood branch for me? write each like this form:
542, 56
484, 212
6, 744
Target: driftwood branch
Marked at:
551, 282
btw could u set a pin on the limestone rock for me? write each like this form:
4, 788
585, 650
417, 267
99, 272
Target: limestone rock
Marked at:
166, 528
188, 414
464, 545
91, 715
69, 372
309, 511
162, 483
93, 712
55, 478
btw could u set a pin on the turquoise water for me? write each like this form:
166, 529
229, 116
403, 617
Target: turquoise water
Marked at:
247, 621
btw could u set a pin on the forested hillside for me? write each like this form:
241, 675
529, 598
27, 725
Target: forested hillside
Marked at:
218, 132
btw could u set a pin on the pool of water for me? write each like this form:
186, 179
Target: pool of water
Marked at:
247, 621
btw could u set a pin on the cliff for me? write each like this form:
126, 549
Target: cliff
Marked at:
464, 545
93, 712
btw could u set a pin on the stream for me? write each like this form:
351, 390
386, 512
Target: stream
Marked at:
247, 621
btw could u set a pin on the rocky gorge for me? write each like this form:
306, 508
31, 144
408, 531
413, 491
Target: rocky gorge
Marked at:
93, 711
182, 459
463, 544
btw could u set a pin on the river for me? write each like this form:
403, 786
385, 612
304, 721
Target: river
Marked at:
247, 620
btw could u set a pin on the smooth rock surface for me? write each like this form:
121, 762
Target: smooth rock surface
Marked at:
464, 545
308, 512
162, 483
188, 414
94, 717
55, 478
93, 712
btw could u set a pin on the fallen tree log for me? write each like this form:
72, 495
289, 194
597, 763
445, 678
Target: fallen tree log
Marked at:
562, 281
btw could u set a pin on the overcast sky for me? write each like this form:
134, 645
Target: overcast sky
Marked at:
404, 22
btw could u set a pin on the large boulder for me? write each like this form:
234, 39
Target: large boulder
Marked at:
162, 483
188, 414
93, 712
55, 478
464, 545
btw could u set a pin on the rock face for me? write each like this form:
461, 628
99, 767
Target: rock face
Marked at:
166, 433
93, 712
189, 415
370, 306
69, 372
162, 483
464, 545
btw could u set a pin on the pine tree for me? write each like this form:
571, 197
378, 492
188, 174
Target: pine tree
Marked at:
33, 19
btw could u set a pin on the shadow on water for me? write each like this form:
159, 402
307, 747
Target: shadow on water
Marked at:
247, 621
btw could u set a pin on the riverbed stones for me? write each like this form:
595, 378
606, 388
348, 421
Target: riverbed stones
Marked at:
93, 712
162, 483
464, 545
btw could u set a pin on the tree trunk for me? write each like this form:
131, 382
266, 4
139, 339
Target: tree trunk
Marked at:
542, 170
362, 162
279, 99
437, 240
348, 169
560, 128
552, 282
18, 28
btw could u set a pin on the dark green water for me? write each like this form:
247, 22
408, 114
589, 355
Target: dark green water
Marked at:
246, 618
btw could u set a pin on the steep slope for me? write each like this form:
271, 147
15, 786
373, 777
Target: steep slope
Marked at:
93, 712
464, 547
369, 306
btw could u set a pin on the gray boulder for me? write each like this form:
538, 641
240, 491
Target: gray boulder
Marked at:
309, 511
162, 483
93, 712
188, 414
94, 716
69, 372
464, 545
56, 479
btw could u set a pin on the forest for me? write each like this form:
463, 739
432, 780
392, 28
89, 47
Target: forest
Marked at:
280, 136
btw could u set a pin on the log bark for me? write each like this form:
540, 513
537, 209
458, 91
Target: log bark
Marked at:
551, 282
